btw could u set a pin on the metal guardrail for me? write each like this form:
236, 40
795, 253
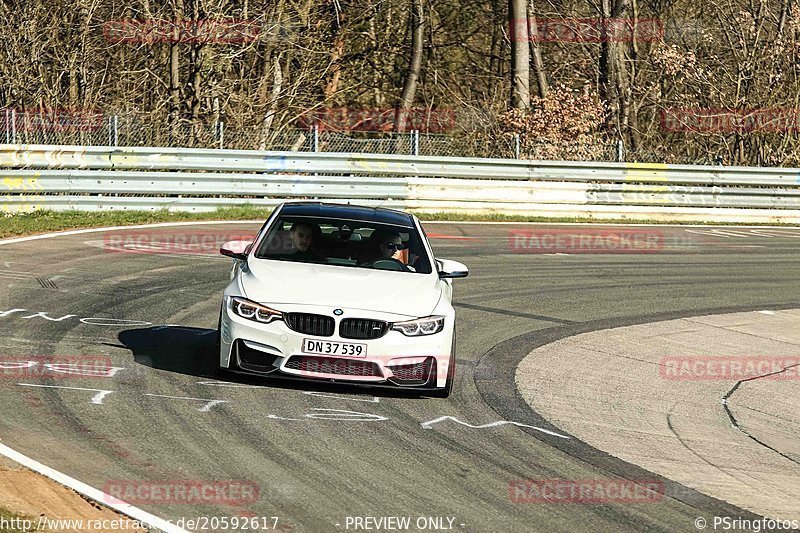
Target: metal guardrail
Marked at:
105, 178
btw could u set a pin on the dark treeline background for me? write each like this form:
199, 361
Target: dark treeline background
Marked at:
461, 55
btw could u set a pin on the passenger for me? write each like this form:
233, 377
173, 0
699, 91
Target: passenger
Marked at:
384, 244
303, 235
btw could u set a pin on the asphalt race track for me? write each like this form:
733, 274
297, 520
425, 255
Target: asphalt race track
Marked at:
316, 457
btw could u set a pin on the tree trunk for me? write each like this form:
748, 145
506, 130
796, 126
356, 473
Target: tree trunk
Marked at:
614, 72
193, 90
536, 52
73, 80
604, 63
376, 79
632, 109
277, 85
336, 66
337, 52
520, 56
497, 42
786, 7
414, 66
174, 71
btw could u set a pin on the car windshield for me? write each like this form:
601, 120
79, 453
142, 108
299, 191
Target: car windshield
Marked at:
350, 243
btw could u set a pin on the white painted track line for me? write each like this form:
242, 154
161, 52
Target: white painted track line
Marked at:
91, 492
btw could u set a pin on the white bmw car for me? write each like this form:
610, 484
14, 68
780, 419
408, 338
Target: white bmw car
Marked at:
340, 293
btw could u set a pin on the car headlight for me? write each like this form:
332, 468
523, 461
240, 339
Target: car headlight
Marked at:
421, 326
252, 311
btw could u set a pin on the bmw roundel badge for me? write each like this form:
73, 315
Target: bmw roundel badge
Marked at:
338, 312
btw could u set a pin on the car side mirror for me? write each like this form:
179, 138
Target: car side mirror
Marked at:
236, 249
452, 269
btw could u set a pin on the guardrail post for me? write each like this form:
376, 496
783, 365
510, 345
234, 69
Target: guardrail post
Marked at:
8, 128
14, 126
116, 130
221, 135
415, 142
620, 151
516, 146
316, 137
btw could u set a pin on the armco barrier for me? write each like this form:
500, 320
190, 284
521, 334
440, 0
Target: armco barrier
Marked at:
110, 178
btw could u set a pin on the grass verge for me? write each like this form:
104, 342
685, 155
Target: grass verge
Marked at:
499, 217
47, 221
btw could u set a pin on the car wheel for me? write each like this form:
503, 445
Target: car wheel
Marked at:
451, 375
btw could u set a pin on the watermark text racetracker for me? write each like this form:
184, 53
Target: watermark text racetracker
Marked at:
585, 491
722, 120
339, 358
739, 367
586, 241
57, 366
170, 242
60, 119
353, 119
203, 31
586, 30
181, 492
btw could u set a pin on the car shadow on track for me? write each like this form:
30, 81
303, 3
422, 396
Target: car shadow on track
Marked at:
191, 351
180, 349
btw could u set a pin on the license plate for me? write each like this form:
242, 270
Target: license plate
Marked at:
343, 349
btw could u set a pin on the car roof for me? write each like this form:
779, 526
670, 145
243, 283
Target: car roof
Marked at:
348, 212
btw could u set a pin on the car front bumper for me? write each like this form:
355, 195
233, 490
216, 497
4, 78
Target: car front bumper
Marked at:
393, 360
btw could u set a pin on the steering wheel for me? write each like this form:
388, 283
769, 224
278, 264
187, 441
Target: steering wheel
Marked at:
387, 264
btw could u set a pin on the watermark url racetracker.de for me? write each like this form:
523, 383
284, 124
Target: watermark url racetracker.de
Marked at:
756, 525
44, 523
197, 523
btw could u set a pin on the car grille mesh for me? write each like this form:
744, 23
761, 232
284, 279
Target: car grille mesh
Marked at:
416, 372
309, 324
334, 365
362, 328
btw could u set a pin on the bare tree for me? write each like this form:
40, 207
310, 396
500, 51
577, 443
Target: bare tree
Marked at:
417, 25
448, 54
536, 51
520, 54
615, 63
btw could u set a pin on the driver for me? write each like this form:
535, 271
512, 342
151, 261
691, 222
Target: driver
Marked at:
303, 235
385, 244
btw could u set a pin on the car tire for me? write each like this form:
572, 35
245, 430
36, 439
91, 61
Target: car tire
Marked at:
451, 375
217, 368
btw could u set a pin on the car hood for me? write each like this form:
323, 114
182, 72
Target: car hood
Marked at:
284, 282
